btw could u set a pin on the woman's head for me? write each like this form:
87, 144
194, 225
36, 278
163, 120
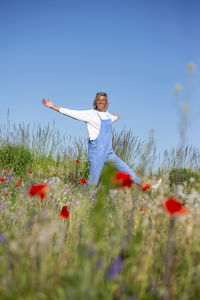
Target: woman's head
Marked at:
101, 102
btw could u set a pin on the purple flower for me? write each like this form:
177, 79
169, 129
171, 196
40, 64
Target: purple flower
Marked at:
65, 190
115, 267
132, 298
2, 238
92, 197
9, 177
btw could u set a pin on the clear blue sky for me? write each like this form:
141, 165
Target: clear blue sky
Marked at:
136, 51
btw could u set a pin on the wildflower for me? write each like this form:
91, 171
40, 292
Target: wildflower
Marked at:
143, 208
19, 182
77, 161
54, 175
71, 179
115, 267
2, 179
38, 190
82, 180
178, 87
64, 190
64, 213
5, 170
122, 180
191, 66
5, 194
172, 206
92, 196
30, 172
2, 238
146, 186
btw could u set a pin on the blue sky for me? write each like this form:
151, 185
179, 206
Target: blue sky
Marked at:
136, 51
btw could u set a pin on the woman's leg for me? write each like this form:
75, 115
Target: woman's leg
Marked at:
95, 168
122, 166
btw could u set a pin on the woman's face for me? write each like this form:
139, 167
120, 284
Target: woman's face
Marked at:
101, 103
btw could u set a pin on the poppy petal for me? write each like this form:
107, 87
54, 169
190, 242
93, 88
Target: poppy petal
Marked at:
64, 213
172, 206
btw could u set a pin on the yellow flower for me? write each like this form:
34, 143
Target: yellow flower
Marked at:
178, 87
191, 66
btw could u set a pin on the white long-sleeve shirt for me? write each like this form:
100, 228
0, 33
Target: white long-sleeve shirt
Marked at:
90, 117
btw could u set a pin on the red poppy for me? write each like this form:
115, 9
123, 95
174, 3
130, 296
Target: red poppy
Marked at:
172, 206
38, 190
64, 213
77, 161
143, 208
2, 179
5, 194
54, 175
19, 182
30, 172
145, 187
121, 180
71, 179
82, 181
5, 170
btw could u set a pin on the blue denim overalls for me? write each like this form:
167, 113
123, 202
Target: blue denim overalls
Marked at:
100, 152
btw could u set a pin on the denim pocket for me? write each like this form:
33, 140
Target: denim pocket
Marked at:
92, 144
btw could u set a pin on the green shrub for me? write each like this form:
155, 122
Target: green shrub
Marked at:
182, 175
16, 158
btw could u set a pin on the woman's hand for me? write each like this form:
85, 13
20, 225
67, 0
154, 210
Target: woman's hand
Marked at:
48, 103
116, 115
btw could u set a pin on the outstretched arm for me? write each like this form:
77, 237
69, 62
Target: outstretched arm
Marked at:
50, 104
82, 115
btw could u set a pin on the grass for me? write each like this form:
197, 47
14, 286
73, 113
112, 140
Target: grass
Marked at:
108, 248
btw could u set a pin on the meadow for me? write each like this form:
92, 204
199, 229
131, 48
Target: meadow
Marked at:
111, 243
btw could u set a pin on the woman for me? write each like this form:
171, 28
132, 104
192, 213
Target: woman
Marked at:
99, 124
